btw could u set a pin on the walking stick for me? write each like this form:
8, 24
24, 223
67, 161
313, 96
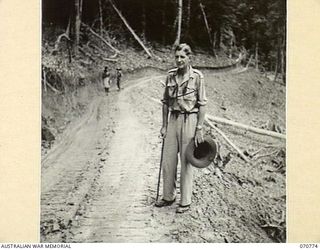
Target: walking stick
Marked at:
159, 177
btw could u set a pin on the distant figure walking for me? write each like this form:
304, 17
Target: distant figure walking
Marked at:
118, 75
106, 79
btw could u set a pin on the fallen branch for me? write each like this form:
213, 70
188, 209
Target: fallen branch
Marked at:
256, 152
280, 167
114, 56
272, 226
206, 240
53, 88
102, 54
101, 38
272, 145
246, 127
109, 59
130, 29
89, 44
207, 119
86, 54
58, 41
228, 140
265, 155
240, 71
249, 128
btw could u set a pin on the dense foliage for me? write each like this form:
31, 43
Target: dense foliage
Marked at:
255, 26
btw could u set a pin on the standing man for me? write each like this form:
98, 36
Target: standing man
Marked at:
106, 79
119, 75
185, 99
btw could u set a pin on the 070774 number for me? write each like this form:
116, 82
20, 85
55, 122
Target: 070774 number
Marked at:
308, 245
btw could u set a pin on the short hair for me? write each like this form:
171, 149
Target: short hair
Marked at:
185, 48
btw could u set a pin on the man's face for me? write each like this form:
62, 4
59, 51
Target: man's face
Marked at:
182, 59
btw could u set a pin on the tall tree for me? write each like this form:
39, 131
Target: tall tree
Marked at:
77, 24
100, 18
143, 21
188, 16
179, 19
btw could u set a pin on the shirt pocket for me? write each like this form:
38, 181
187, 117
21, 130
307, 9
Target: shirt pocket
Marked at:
190, 93
172, 90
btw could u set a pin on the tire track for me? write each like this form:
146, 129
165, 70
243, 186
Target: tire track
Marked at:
119, 211
96, 181
70, 170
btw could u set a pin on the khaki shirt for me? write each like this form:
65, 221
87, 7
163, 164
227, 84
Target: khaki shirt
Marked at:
187, 96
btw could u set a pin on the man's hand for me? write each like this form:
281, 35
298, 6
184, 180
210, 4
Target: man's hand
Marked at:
198, 137
163, 132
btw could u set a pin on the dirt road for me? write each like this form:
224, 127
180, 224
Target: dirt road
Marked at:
99, 181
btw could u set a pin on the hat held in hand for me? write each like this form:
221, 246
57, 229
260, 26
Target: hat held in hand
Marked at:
202, 155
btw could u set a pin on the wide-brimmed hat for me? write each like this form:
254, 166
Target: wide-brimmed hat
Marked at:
202, 155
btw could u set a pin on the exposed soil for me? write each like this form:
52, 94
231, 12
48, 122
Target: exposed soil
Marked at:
99, 178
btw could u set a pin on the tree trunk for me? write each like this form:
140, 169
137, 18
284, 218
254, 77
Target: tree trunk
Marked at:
68, 27
143, 35
239, 151
207, 27
69, 43
220, 37
77, 26
130, 29
278, 62
215, 39
232, 42
246, 127
81, 4
179, 19
69, 47
100, 18
257, 55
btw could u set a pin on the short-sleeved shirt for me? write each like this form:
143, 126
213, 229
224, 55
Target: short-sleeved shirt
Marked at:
187, 96
106, 79
105, 74
119, 74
